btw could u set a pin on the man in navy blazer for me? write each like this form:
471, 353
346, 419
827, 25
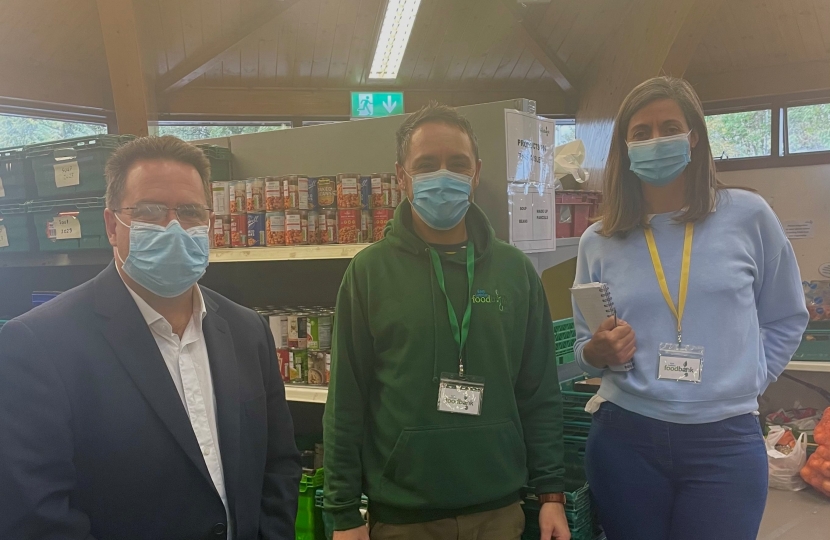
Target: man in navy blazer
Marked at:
140, 406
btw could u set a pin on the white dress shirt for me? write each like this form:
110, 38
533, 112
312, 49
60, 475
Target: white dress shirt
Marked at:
187, 362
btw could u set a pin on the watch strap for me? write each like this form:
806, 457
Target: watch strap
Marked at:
552, 498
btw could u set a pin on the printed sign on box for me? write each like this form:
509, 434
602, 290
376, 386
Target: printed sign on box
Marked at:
529, 140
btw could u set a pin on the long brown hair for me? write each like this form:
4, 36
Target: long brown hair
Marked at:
624, 208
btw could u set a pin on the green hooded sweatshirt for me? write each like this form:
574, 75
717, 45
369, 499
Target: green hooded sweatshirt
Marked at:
383, 434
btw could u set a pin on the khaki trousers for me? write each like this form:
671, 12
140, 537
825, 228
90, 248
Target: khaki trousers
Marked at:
506, 523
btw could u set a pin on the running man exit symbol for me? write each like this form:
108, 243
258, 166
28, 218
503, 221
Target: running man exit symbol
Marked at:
376, 104
365, 105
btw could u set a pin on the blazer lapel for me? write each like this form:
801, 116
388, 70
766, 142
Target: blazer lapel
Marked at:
225, 375
130, 337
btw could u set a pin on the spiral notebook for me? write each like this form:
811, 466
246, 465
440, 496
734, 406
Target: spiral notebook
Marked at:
596, 304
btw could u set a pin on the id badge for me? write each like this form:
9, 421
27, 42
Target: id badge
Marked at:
460, 395
680, 362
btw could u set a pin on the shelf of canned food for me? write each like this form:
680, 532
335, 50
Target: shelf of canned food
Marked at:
296, 210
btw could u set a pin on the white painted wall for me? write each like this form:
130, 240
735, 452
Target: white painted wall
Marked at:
796, 193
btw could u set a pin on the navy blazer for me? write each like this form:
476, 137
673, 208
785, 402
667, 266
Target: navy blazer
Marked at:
96, 444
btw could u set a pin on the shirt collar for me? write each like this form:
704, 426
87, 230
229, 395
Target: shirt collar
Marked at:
151, 316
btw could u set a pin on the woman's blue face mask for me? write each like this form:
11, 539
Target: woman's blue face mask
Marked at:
660, 161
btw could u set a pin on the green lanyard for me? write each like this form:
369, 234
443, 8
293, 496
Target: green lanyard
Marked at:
460, 334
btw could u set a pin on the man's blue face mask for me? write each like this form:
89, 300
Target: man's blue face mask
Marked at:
441, 198
167, 261
660, 161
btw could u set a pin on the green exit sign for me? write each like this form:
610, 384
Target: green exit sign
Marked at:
376, 104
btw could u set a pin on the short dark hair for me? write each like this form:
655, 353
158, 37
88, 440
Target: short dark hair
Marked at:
166, 147
432, 112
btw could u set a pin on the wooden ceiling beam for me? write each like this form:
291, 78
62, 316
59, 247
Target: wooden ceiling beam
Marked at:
195, 66
285, 102
764, 81
695, 25
130, 92
537, 45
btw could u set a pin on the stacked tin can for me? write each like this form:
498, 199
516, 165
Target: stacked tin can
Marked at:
303, 340
379, 197
221, 237
255, 208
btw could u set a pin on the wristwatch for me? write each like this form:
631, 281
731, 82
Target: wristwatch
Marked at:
552, 498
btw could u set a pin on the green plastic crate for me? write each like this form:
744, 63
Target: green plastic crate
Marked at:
220, 161
309, 524
578, 510
15, 222
89, 153
89, 213
577, 429
815, 346
12, 177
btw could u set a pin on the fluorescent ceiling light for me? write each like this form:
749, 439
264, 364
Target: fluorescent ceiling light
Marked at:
394, 35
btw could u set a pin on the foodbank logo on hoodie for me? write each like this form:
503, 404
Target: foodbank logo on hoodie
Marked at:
481, 296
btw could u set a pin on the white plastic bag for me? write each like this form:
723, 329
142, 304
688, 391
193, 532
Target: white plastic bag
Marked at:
784, 468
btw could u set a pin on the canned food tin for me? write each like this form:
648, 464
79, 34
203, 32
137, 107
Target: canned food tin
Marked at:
366, 234
348, 226
317, 367
313, 227
312, 193
304, 226
396, 193
255, 194
348, 193
326, 192
221, 232
297, 198
273, 194
284, 358
299, 366
237, 192
327, 226
380, 217
221, 198
278, 322
328, 367
256, 229
293, 228
377, 191
275, 228
365, 192
297, 330
239, 230
318, 331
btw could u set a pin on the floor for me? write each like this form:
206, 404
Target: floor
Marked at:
796, 515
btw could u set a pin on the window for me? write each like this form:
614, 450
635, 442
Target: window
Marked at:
196, 131
808, 128
20, 130
740, 134
565, 132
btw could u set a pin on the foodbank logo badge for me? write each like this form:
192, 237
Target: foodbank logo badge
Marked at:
481, 296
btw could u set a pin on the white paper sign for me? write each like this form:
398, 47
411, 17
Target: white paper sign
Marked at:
531, 210
522, 216
797, 230
529, 144
4, 238
542, 216
2, 191
67, 174
67, 227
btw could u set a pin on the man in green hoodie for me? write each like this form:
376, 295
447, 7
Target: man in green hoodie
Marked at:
444, 400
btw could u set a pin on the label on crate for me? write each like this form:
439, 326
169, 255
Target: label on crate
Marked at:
67, 228
2, 191
4, 238
67, 174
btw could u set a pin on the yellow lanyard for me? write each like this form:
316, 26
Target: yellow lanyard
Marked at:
684, 275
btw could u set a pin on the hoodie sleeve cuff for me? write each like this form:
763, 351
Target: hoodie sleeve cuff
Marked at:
347, 519
585, 366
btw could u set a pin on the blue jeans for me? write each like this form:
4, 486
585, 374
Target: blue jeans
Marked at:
654, 480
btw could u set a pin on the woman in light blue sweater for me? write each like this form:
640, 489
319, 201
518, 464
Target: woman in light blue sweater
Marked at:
710, 310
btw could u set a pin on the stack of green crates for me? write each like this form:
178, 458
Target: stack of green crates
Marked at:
87, 214
565, 337
576, 427
309, 525
14, 230
220, 161
12, 178
578, 510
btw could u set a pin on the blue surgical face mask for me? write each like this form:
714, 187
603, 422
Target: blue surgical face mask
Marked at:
441, 198
167, 261
659, 161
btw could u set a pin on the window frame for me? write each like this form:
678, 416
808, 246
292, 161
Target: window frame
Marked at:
780, 155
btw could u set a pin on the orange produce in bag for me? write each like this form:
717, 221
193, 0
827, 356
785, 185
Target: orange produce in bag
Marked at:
817, 470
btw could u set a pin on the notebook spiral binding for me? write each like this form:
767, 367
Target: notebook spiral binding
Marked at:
607, 300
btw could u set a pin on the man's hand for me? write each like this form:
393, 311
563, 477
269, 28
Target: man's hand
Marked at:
362, 533
553, 523
611, 345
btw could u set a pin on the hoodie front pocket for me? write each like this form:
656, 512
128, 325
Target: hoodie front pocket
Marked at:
454, 467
